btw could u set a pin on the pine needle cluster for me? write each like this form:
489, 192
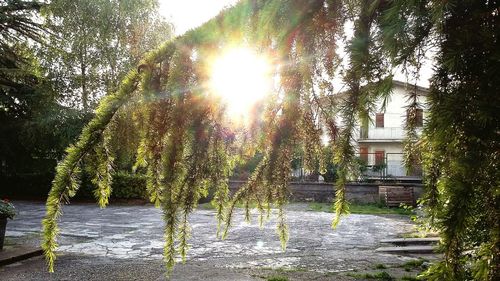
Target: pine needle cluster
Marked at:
187, 147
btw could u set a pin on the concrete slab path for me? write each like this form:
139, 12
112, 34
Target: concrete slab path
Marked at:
125, 243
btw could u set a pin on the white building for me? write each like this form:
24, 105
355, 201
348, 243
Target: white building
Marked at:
380, 143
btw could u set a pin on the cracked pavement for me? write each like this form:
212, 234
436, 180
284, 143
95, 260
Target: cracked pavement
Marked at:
124, 242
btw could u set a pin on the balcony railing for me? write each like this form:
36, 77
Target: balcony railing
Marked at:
386, 133
392, 165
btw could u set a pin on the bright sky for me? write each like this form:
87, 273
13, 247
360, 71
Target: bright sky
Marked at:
187, 14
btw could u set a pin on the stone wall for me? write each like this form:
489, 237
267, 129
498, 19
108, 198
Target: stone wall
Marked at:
325, 192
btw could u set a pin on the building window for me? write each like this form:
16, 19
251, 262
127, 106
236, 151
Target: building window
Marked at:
379, 120
419, 117
363, 154
379, 157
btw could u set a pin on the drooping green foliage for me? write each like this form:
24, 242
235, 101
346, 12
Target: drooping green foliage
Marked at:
188, 147
66, 181
463, 140
460, 141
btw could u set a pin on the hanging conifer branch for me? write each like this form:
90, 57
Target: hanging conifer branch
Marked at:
353, 105
64, 185
172, 150
187, 146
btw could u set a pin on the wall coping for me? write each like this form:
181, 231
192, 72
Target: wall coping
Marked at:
349, 184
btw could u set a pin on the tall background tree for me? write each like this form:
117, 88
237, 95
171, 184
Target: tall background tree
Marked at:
94, 42
28, 103
56, 62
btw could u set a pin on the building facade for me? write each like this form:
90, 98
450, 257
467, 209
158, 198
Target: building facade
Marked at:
380, 142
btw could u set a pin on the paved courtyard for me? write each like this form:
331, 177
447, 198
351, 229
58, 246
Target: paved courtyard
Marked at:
125, 243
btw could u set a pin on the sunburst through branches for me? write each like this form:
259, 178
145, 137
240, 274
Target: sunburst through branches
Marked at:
188, 148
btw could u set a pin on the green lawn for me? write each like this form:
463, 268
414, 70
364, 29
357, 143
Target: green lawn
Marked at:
372, 209
369, 209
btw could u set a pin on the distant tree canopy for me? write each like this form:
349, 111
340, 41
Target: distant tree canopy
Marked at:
187, 147
93, 43
57, 59
29, 111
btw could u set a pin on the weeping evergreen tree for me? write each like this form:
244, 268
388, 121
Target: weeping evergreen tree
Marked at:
188, 147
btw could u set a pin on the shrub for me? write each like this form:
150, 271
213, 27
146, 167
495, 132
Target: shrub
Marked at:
7, 209
129, 186
34, 186
26, 185
277, 278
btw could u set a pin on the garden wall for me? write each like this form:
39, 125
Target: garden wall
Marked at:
132, 187
325, 192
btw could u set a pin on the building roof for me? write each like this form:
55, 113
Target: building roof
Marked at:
421, 90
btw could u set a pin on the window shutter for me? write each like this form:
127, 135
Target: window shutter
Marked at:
363, 154
379, 120
379, 157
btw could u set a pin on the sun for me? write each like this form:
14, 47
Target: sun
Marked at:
241, 77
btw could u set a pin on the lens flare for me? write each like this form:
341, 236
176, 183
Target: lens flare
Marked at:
241, 78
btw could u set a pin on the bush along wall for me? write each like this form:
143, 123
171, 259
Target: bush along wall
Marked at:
25, 186
125, 185
128, 186
36, 186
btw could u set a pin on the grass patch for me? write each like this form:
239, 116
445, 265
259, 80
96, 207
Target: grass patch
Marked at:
206, 206
319, 207
239, 205
376, 209
414, 264
355, 208
380, 266
242, 205
277, 278
382, 275
409, 278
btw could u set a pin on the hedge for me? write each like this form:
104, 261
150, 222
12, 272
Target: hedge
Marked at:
37, 186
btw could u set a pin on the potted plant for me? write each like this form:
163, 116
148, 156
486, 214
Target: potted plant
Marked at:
7, 210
